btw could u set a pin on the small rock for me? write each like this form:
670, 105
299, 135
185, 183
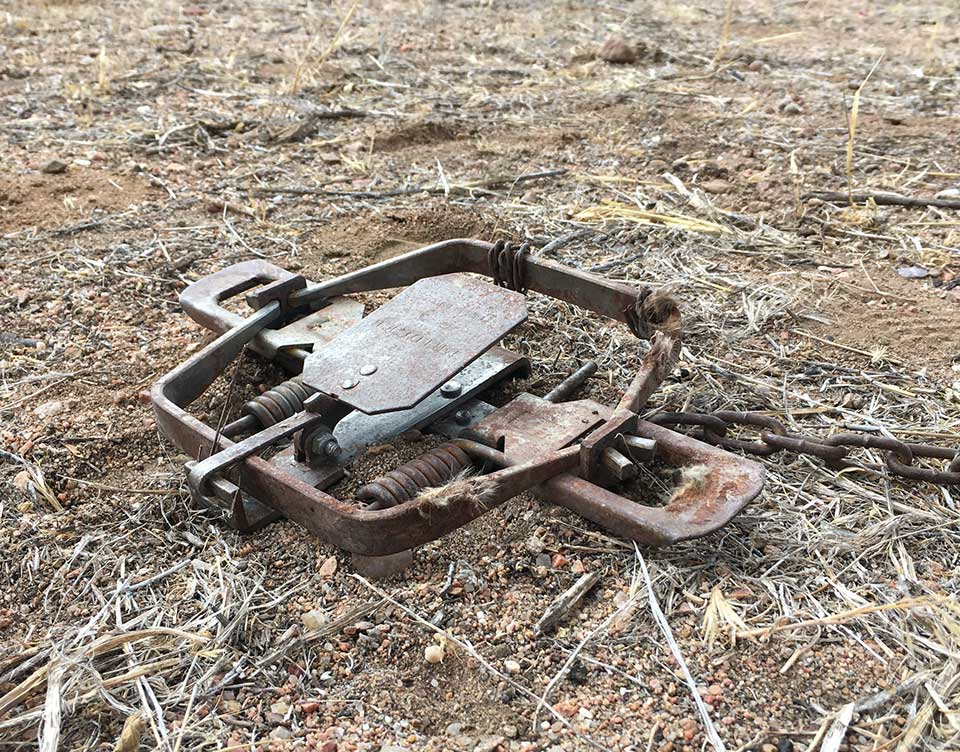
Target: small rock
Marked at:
489, 743
543, 560
907, 272
535, 545
329, 567
792, 109
510, 732
454, 729
755, 66
49, 409
949, 193
616, 50
231, 706
281, 733
54, 167
21, 480
314, 620
433, 654
716, 186
511, 666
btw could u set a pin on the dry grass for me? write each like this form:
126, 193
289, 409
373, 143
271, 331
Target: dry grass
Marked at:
141, 614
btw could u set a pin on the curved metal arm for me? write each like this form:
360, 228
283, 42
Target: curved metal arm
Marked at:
718, 487
614, 300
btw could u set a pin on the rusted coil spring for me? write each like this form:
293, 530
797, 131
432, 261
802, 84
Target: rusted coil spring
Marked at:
506, 265
281, 402
407, 481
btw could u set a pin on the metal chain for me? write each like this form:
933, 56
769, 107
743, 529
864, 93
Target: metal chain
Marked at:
899, 456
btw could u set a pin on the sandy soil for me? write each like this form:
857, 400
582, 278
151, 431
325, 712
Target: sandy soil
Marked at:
191, 137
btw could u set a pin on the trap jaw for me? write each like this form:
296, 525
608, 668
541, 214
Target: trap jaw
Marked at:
423, 361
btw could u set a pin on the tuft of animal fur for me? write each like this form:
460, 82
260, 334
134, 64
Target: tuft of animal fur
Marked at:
692, 478
473, 490
658, 312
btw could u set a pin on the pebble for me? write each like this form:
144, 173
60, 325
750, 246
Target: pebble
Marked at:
49, 409
788, 106
510, 731
21, 480
433, 654
535, 545
543, 560
511, 666
616, 50
54, 167
911, 272
329, 567
281, 733
454, 729
314, 620
716, 186
489, 743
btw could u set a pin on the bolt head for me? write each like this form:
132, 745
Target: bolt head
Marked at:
462, 417
349, 383
451, 389
368, 370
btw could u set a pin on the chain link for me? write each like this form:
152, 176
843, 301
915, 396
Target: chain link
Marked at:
899, 456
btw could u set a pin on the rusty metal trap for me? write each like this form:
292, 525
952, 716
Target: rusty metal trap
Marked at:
424, 360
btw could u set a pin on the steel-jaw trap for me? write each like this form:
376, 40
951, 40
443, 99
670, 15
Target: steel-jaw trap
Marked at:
422, 361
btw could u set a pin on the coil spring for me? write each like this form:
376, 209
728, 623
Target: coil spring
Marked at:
407, 481
506, 265
281, 402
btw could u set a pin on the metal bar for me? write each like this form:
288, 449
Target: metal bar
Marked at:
572, 383
620, 466
605, 297
655, 367
228, 456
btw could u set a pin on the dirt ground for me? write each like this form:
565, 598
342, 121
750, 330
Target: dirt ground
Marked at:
144, 146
